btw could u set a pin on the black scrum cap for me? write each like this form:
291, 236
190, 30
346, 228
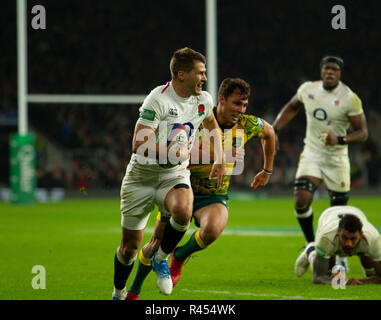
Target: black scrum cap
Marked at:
333, 59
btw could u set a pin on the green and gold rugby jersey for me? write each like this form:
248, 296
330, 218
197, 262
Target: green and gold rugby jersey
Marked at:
247, 127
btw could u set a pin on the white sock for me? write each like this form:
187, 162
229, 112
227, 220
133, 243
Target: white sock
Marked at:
119, 293
178, 227
161, 255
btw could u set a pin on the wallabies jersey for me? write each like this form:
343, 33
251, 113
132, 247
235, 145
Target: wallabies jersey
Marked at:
247, 127
164, 110
327, 111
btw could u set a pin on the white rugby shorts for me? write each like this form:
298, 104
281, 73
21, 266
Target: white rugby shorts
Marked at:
141, 191
334, 170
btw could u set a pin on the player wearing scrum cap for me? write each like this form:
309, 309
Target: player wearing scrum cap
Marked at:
330, 107
343, 231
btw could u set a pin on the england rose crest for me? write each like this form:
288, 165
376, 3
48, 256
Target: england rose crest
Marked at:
201, 109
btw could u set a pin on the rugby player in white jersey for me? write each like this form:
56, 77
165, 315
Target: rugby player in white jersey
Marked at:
343, 231
210, 207
330, 107
181, 103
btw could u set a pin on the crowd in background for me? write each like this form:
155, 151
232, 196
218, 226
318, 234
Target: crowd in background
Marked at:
113, 50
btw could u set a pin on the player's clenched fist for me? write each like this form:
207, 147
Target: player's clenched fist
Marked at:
217, 173
328, 138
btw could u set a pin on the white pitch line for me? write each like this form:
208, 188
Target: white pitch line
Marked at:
226, 232
253, 294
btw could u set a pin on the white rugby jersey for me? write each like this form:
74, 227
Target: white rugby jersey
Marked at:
327, 238
327, 110
164, 109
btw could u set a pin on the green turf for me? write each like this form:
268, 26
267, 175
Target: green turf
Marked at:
76, 240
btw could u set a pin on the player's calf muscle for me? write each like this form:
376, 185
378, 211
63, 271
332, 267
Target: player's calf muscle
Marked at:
302, 200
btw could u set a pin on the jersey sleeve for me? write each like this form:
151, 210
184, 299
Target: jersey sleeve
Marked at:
253, 127
301, 90
151, 112
375, 249
324, 247
354, 106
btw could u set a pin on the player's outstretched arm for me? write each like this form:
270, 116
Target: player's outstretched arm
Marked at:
288, 112
218, 169
268, 145
376, 279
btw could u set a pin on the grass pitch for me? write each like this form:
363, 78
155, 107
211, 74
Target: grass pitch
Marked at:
75, 242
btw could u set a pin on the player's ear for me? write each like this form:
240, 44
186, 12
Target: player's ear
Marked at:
221, 99
181, 75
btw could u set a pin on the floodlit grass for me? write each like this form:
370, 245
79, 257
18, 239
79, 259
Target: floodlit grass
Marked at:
75, 242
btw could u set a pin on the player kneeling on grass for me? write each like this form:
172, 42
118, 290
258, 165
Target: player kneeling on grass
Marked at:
342, 231
210, 206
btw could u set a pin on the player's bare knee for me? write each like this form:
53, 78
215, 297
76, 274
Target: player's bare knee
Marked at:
304, 190
128, 253
181, 213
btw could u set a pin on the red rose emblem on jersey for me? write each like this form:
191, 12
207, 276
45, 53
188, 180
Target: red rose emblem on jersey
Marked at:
201, 109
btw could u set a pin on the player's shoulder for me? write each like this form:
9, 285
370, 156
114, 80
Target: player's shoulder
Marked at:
308, 85
249, 120
349, 93
253, 126
159, 92
370, 232
326, 243
205, 97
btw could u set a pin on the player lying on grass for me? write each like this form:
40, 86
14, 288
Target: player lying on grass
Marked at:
210, 207
342, 231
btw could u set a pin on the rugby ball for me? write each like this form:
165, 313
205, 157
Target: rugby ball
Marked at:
177, 138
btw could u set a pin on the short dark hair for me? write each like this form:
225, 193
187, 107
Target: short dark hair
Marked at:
228, 85
332, 59
351, 223
183, 60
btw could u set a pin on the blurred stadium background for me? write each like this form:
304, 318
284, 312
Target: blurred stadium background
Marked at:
123, 47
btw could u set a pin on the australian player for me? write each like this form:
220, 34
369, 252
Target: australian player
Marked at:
181, 102
210, 207
342, 231
330, 107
